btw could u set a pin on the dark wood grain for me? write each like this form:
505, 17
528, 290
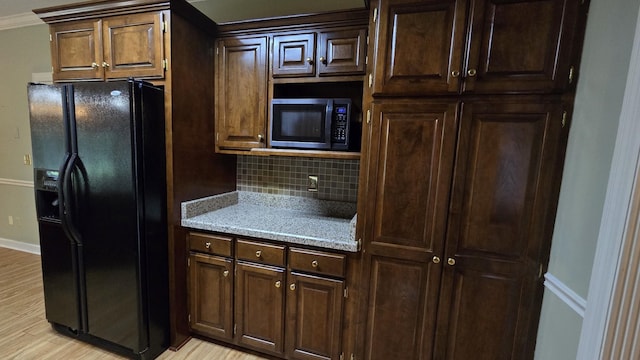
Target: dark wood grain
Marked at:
343, 51
260, 252
314, 317
75, 48
259, 307
318, 262
294, 55
211, 295
210, 244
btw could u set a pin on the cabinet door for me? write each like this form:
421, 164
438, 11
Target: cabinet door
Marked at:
314, 317
241, 93
294, 55
501, 219
76, 50
260, 307
133, 46
342, 52
410, 165
210, 292
419, 46
520, 45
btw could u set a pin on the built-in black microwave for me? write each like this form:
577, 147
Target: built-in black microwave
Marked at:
324, 124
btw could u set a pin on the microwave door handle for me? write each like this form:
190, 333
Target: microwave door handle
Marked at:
327, 124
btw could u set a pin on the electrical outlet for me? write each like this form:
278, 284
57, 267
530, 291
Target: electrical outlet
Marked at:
27, 159
313, 183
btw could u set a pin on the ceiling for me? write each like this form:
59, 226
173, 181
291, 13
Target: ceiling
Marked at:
218, 10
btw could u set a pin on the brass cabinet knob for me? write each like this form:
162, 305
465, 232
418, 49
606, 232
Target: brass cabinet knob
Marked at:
105, 64
314, 263
472, 72
207, 245
225, 273
309, 60
451, 261
455, 73
323, 59
436, 260
95, 65
259, 253
278, 284
260, 137
292, 286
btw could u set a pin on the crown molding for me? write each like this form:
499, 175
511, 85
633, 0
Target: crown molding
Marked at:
19, 20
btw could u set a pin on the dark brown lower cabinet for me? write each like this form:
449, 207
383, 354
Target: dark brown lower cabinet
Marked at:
463, 198
211, 295
314, 317
259, 307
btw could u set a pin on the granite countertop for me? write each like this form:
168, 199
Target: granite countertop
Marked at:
290, 219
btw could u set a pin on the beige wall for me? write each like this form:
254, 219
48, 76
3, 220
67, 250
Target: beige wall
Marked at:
603, 74
24, 51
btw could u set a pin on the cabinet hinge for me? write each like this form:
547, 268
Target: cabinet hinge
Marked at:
368, 116
370, 80
341, 356
165, 26
540, 271
359, 244
571, 74
366, 60
188, 262
165, 64
50, 37
564, 119
189, 318
235, 328
217, 137
375, 14
353, 357
346, 292
217, 51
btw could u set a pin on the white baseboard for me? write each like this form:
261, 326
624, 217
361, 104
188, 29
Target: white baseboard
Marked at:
20, 246
568, 296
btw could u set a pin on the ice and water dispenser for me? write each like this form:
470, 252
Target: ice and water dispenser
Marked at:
47, 203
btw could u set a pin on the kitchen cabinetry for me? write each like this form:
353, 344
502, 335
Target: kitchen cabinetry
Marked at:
286, 302
306, 56
488, 46
241, 93
114, 47
337, 52
211, 285
134, 37
454, 251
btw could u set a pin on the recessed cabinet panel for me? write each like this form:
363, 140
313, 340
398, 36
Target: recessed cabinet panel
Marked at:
133, 46
402, 309
414, 149
507, 150
520, 46
294, 55
211, 295
76, 50
259, 307
420, 47
241, 93
342, 52
314, 310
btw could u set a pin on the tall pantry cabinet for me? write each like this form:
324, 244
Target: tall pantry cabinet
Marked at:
467, 105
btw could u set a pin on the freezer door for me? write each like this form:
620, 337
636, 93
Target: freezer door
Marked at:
59, 254
105, 184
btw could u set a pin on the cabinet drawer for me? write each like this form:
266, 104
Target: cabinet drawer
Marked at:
260, 252
210, 244
317, 262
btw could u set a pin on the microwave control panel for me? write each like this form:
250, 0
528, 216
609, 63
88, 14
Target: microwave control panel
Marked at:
340, 126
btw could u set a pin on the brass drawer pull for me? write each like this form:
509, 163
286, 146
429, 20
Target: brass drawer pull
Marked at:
259, 254
314, 263
207, 244
278, 284
225, 273
292, 287
451, 261
436, 260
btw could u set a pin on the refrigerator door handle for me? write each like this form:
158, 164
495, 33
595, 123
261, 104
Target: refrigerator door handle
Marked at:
67, 200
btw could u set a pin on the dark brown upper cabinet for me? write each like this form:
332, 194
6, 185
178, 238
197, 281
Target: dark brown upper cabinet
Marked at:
323, 53
115, 47
480, 46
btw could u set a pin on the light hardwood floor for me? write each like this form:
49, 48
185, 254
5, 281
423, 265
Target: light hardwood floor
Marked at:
26, 335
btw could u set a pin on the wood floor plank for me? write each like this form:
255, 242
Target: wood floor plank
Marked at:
25, 334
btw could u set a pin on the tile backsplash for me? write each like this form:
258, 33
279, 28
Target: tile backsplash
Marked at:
337, 179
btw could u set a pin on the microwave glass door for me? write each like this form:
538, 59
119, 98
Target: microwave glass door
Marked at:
300, 125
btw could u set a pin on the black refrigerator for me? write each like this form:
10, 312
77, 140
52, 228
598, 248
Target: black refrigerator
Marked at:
100, 190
